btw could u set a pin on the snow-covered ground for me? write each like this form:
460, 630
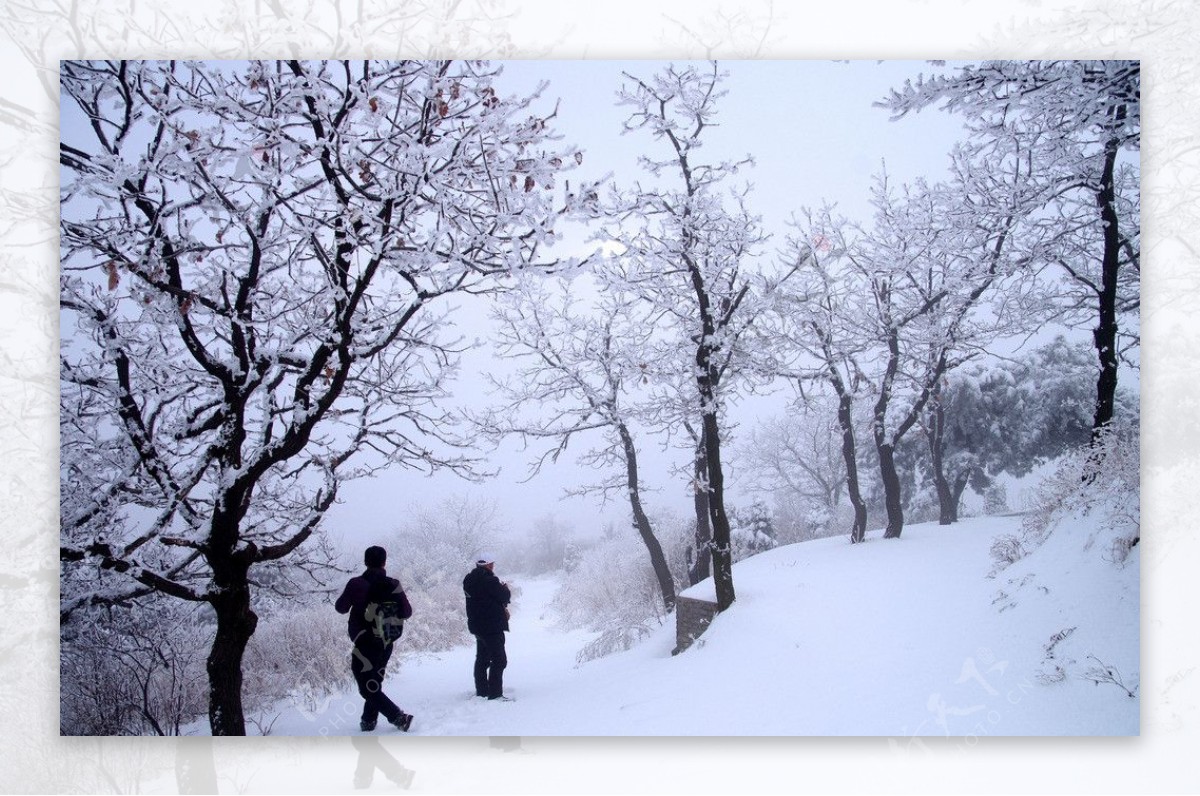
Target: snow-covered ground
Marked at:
899, 638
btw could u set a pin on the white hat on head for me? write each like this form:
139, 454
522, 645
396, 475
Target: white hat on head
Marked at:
484, 559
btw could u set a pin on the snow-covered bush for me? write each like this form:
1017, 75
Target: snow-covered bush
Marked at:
142, 672
611, 589
431, 554
295, 657
611, 583
1102, 483
1007, 549
751, 531
921, 505
995, 499
134, 670
617, 638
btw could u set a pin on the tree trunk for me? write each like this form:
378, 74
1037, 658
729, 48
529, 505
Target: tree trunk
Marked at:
235, 625
947, 504
858, 531
887, 449
666, 583
708, 379
935, 434
701, 567
956, 491
722, 553
891, 491
236, 622
1105, 334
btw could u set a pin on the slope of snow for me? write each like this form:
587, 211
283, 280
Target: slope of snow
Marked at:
902, 638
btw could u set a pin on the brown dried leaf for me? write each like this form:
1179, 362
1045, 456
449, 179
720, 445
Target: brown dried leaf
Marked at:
114, 278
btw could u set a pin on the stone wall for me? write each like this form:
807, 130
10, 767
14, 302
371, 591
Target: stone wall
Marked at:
692, 617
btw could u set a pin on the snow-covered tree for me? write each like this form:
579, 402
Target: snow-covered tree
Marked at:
581, 369
798, 458
1008, 417
905, 298
685, 239
816, 316
753, 531
1075, 120
253, 258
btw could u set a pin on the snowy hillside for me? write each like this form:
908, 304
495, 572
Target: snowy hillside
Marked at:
897, 638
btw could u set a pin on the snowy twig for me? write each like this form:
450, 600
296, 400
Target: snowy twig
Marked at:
1103, 673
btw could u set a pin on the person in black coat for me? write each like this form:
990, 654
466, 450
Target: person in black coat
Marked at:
487, 619
369, 659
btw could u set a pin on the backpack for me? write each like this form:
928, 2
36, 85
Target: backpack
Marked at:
387, 608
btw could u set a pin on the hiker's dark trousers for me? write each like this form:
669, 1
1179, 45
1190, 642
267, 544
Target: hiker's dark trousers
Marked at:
369, 662
490, 661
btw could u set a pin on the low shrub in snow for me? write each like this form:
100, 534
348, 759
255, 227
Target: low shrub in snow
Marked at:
1101, 483
296, 658
614, 639
134, 670
1007, 549
1101, 672
995, 499
431, 554
751, 531
611, 589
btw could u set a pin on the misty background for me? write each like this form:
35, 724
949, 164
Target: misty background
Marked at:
815, 137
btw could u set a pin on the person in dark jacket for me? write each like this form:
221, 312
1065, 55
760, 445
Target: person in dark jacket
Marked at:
369, 659
487, 619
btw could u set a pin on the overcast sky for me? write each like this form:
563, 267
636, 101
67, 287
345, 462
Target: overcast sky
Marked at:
815, 137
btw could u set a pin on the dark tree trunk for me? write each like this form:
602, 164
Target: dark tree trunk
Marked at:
236, 622
1105, 334
887, 448
235, 625
891, 491
957, 489
666, 583
858, 532
935, 434
947, 504
722, 553
701, 566
947, 507
708, 378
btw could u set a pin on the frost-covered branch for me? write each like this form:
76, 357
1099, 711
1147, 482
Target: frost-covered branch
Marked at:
253, 259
